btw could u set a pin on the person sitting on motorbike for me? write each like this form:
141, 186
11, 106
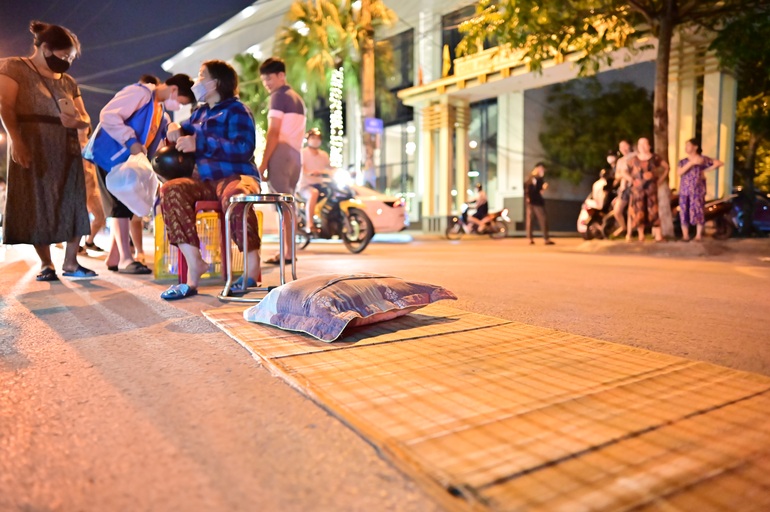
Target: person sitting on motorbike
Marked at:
600, 191
482, 209
315, 170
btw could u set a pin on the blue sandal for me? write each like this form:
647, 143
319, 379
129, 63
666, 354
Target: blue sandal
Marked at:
179, 291
238, 284
80, 271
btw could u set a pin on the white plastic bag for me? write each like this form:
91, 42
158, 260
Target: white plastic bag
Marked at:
134, 183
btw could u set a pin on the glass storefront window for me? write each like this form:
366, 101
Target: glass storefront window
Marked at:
482, 148
398, 151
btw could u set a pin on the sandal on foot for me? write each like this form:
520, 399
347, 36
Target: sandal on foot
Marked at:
80, 271
238, 284
179, 291
135, 268
47, 274
112, 268
237, 289
276, 260
93, 247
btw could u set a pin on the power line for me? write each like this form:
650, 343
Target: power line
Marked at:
127, 66
72, 11
153, 34
170, 53
98, 90
97, 15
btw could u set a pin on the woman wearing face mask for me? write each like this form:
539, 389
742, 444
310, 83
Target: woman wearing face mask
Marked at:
41, 108
221, 134
134, 121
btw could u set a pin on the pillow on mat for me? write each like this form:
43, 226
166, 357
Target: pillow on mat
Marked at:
324, 305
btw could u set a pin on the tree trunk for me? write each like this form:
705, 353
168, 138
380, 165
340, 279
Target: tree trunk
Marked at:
660, 105
367, 92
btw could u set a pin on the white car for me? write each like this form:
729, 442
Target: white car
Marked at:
388, 213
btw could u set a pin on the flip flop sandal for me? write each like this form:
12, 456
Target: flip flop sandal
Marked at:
178, 291
237, 289
276, 260
79, 272
93, 247
135, 268
47, 274
238, 284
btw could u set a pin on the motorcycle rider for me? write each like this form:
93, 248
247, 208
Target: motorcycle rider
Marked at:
482, 209
315, 168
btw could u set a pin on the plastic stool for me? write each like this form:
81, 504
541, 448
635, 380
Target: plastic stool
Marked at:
209, 206
284, 205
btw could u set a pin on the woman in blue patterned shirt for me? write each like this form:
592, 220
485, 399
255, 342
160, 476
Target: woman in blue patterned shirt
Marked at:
221, 133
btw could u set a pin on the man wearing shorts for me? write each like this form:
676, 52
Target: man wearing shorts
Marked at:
282, 161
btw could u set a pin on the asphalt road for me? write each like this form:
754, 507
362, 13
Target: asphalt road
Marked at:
112, 399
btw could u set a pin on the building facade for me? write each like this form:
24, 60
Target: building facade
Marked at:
476, 119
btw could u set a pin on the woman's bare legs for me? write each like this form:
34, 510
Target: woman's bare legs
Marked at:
120, 247
44, 253
699, 232
254, 265
135, 227
196, 265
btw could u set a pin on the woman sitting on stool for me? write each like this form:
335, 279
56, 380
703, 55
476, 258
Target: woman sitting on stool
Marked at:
221, 133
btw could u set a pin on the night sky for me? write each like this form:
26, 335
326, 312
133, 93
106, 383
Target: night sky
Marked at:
120, 39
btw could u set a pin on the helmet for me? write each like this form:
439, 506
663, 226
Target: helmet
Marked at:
170, 163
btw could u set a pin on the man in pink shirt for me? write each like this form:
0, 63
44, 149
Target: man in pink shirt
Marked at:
282, 160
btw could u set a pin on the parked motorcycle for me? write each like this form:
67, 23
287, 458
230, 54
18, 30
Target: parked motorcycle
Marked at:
590, 220
595, 209
494, 224
338, 214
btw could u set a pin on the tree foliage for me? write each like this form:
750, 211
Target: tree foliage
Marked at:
321, 35
594, 28
742, 44
585, 120
752, 141
252, 92
542, 31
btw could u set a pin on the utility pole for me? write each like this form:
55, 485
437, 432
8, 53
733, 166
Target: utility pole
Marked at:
367, 86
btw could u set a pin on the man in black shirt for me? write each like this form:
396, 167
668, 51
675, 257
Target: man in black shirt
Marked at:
533, 193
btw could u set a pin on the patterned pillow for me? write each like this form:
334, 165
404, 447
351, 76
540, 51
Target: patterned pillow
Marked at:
324, 305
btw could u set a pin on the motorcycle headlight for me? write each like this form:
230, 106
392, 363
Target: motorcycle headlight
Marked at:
342, 178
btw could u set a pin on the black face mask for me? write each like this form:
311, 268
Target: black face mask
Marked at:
56, 64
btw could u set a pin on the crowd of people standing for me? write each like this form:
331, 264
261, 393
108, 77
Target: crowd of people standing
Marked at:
637, 173
55, 196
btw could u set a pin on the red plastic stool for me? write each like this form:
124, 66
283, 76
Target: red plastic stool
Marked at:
208, 206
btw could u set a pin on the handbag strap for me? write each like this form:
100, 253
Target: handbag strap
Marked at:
53, 96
